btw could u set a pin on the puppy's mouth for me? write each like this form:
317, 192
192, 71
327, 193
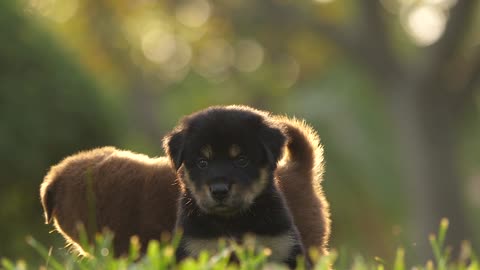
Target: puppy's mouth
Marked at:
231, 205
220, 208
223, 209
227, 200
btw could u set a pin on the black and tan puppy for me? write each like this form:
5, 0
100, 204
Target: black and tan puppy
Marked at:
226, 158
133, 194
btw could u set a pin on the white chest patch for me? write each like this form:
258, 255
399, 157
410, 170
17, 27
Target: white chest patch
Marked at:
194, 246
280, 245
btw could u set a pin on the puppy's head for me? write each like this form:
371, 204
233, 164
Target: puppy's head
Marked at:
225, 156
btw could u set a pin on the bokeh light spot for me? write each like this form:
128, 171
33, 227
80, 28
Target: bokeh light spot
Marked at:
193, 13
180, 57
41, 7
289, 72
248, 55
442, 3
322, 1
425, 24
56, 10
214, 59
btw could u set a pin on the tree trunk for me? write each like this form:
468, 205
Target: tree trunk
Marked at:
143, 103
425, 139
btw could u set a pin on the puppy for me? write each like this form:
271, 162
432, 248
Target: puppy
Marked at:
226, 158
130, 194
133, 194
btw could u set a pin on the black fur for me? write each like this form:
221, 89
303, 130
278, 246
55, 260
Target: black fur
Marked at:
267, 216
297, 250
173, 145
261, 142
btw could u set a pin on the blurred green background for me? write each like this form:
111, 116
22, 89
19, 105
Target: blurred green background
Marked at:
391, 86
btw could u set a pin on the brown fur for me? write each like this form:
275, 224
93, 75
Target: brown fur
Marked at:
299, 176
134, 195
137, 195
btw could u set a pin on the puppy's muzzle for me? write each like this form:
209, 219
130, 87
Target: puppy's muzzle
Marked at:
219, 191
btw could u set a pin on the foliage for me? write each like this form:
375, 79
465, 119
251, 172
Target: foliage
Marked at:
75, 74
49, 108
160, 255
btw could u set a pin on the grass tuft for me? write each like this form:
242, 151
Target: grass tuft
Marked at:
160, 255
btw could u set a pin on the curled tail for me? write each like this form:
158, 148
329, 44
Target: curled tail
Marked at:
304, 151
299, 177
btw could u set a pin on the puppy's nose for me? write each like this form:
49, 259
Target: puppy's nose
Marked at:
219, 191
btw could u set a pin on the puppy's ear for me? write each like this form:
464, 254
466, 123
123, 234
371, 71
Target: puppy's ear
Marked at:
273, 140
173, 146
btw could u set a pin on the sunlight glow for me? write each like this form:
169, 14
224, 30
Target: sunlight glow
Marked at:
248, 55
425, 24
193, 13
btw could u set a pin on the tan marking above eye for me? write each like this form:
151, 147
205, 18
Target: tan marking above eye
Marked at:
234, 151
207, 151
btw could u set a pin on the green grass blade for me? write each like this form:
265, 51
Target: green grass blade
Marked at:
399, 260
44, 253
7, 264
442, 232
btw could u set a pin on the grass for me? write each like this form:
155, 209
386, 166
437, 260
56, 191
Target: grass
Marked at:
160, 255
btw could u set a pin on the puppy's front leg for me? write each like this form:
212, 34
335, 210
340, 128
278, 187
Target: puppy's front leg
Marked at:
297, 251
181, 252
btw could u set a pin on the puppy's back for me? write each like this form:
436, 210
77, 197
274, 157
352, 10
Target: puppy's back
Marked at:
299, 177
71, 169
131, 194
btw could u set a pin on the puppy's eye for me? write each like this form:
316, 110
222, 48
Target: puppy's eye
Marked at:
202, 163
241, 161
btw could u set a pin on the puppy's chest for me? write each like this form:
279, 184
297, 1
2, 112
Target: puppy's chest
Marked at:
280, 245
265, 223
